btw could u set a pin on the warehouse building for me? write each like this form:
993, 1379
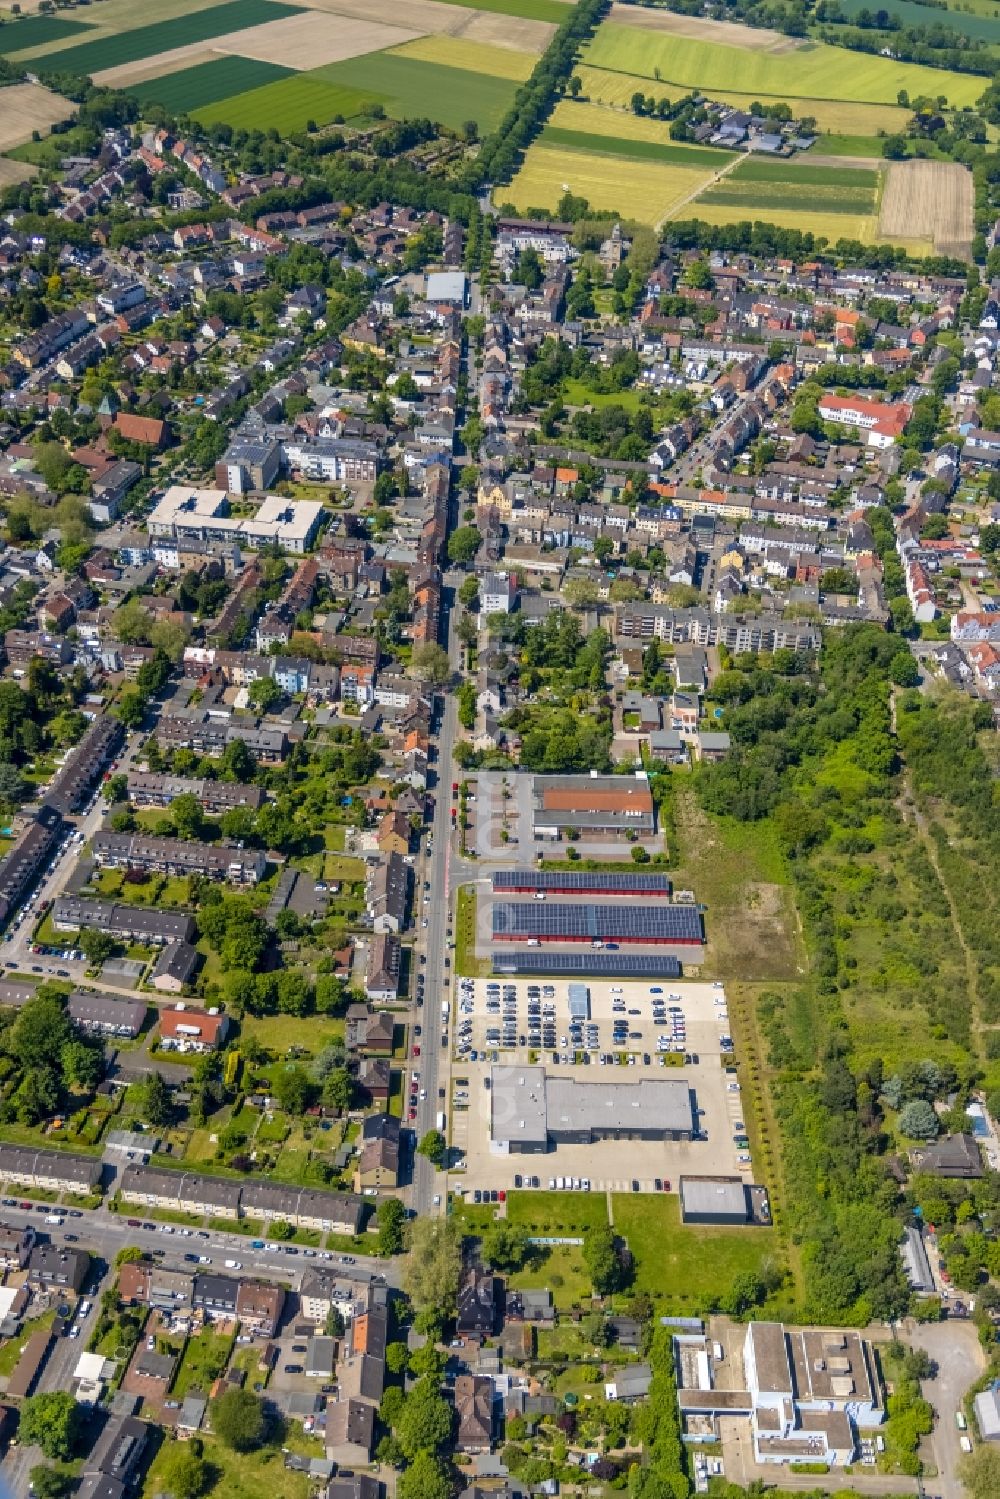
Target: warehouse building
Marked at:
723, 1199
647, 924
549, 962
577, 882
531, 1113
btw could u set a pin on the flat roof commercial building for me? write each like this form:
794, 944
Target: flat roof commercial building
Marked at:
531, 1112
549, 962
646, 924
713, 1199
592, 804
204, 514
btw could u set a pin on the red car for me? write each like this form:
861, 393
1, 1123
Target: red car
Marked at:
416, 1051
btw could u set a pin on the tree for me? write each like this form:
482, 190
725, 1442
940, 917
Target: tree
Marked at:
42, 1026
424, 1423
264, 693
133, 623
424, 1478
505, 1246
463, 544
238, 1420
746, 1291
183, 1472
434, 1265
131, 707
429, 663
433, 1146
187, 815
918, 1120
52, 1422
82, 1065
49, 1483
396, 1358
294, 1090
156, 1105
601, 1259
116, 789
391, 1217
98, 946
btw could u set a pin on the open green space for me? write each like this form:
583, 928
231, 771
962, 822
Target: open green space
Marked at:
849, 145
636, 150
806, 175
279, 1032
37, 31
527, 10
260, 1474
202, 1362
791, 185
288, 104
812, 71
546, 1213
163, 36
985, 28
687, 1265
411, 89
189, 88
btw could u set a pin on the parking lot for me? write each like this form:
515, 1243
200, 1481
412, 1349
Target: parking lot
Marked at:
673, 1028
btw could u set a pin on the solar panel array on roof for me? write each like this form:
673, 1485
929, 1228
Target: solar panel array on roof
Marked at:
608, 965
646, 922
580, 881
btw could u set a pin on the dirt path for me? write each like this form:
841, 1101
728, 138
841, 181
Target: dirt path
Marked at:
701, 188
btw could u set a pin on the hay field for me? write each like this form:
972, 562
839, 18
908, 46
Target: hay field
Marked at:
306, 41
441, 18
829, 226
13, 172
601, 119
666, 153
129, 73
725, 33
928, 200
25, 107
471, 57
534, 10
640, 190
841, 116
810, 72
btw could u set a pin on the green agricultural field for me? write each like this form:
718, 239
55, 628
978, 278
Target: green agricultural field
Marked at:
287, 105
190, 88
812, 71
985, 28
848, 145
758, 188
164, 36
528, 10
664, 151
37, 31
411, 89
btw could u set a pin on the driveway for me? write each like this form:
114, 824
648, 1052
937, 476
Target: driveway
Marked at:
954, 1347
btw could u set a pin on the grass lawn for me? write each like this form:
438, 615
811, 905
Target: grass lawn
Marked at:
279, 1032
685, 1265
203, 1361
289, 104
560, 1270
242, 1475
848, 145
557, 1212
467, 965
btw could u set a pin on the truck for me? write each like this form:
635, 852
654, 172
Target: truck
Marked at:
445, 1009
441, 1121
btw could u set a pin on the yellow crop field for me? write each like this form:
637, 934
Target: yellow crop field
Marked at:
838, 115
641, 190
472, 57
600, 119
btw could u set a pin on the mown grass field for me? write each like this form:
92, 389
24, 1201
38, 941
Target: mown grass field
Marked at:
603, 119
206, 83
683, 1264
470, 57
527, 10
813, 71
163, 36
37, 31
664, 151
287, 105
848, 145
616, 89
985, 26
642, 190
411, 89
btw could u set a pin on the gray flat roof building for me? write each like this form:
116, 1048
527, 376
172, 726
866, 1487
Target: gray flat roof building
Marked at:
531, 1112
713, 1199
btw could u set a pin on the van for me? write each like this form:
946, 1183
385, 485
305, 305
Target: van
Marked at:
965, 1444
234, 1265
560, 1183
960, 1421
717, 1352
54, 1218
